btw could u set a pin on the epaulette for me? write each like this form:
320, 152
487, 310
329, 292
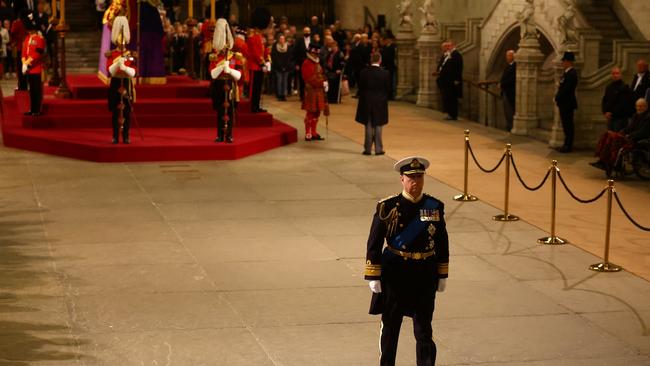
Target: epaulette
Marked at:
432, 197
388, 198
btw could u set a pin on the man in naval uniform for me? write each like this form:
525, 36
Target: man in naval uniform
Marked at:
405, 274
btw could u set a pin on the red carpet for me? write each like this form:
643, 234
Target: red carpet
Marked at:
176, 120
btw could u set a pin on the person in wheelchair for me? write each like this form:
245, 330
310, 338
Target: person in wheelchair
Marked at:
611, 142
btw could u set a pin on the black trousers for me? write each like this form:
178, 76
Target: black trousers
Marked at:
256, 90
301, 84
35, 92
425, 347
333, 91
450, 101
566, 116
127, 122
22, 78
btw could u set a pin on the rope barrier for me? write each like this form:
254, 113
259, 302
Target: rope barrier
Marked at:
629, 217
521, 180
503, 157
559, 174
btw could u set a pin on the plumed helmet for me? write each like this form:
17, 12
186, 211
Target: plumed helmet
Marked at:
261, 18
222, 36
120, 32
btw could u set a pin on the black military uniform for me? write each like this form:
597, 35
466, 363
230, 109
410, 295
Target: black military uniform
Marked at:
410, 266
566, 101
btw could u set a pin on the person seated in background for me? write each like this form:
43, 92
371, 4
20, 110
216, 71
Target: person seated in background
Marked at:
611, 142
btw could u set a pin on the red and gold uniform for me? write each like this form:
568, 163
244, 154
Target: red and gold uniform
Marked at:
241, 54
121, 68
256, 60
32, 66
314, 101
225, 71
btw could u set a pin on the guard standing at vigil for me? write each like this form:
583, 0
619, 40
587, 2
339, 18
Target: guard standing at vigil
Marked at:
121, 68
224, 89
405, 275
32, 64
314, 101
566, 100
450, 79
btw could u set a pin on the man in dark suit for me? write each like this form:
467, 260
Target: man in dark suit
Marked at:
388, 54
300, 54
450, 79
372, 110
618, 102
508, 86
566, 100
641, 81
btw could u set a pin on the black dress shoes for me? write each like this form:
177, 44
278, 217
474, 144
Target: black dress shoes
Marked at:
114, 141
218, 139
229, 140
317, 138
366, 153
126, 140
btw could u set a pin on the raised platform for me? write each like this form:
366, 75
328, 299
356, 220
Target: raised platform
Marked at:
176, 122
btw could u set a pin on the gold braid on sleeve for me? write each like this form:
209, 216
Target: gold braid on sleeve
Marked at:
391, 219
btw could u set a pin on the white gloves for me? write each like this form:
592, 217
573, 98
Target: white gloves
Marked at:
442, 284
375, 286
216, 71
24, 68
326, 86
236, 74
267, 65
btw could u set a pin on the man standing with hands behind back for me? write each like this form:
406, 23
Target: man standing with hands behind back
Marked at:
508, 85
450, 79
405, 274
566, 100
372, 110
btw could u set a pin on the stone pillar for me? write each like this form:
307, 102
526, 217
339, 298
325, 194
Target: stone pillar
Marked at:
405, 40
429, 52
529, 58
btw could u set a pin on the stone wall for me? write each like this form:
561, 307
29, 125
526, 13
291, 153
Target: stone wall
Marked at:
635, 15
351, 12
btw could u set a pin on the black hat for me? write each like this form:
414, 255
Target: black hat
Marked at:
29, 21
314, 48
261, 18
569, 56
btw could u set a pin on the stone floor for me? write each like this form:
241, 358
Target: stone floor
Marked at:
259, 262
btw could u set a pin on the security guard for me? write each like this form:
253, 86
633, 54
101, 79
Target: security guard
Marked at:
405, 274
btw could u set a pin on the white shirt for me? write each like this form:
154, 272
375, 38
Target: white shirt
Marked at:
307, 41
375, 65
639, 78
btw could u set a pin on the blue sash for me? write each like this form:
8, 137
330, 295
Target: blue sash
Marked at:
403, 240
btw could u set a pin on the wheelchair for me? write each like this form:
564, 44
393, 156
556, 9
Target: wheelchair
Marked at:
634, 160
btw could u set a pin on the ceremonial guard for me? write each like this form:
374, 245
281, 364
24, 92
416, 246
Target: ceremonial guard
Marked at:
566, 100
121, 69
32, 64
261, 19
224, 88
314, 101
240, 47
450, 79
405, 274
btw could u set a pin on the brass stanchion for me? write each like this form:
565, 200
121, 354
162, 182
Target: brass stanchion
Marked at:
553, 240
506, 216
466, 197
605, 266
